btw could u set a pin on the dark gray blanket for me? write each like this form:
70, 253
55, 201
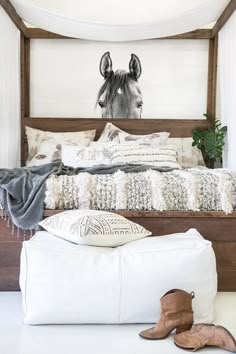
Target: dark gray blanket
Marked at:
22, 190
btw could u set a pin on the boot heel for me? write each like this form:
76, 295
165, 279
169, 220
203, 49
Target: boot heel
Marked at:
183, 328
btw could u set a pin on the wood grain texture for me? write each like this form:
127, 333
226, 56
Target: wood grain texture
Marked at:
41, 33
212, 76
9, 265
10, 234
24, 88
176, 127
27, 77
22, 92
11, 12
197, 34
214, 226
224, 17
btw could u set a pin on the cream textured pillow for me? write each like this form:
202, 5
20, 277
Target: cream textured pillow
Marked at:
94, 228
35, 137
111, 133
187, 155
92, 155
48, 151
159, 156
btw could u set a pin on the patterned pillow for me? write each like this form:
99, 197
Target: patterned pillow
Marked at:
187, 155
93, 227
92, 155
111, 133
159, 156
48, 151
35, 137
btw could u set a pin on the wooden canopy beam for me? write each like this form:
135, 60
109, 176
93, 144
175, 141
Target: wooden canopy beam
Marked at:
197, 34
16, 19
228, 11
41, 33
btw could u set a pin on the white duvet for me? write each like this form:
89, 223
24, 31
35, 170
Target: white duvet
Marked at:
66, 283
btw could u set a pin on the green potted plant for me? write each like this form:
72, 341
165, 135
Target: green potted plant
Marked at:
212, 140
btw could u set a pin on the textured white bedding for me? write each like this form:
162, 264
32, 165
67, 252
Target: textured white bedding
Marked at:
192, 189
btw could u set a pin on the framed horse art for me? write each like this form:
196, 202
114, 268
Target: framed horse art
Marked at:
120, 95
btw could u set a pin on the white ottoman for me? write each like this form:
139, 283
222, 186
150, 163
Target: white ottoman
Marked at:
66, 283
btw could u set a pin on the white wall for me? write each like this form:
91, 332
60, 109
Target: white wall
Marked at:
9, 92
227, 74
65, 76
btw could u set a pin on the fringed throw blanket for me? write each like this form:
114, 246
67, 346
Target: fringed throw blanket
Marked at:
22, 190
192, 189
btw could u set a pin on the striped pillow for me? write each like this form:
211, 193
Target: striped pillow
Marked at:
162, 156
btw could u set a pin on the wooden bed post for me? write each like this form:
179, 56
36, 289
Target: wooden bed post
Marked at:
213, 54
25, 89
24, 66
212, 76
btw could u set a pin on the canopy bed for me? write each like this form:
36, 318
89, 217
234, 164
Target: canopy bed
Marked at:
216, 226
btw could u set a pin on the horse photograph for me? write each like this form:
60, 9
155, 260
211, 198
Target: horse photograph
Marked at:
120, 95
128, 80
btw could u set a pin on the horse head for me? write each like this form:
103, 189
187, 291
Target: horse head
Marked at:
120, 95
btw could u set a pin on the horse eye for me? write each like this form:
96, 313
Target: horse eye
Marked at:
139, 104
101, 104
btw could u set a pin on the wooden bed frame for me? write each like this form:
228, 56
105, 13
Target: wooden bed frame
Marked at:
214, 226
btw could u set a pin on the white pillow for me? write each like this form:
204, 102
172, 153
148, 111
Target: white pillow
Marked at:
36, 137
111, 133
159, 156
92, 155
187, 155
94, 228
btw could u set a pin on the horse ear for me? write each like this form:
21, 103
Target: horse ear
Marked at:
135, 66
105, 65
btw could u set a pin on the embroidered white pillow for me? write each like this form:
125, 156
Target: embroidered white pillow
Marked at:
187, 155
94, 228
36, 137
159, 156
92, 155
111, 133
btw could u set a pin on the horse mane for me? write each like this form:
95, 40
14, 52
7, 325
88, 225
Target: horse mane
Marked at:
118, 80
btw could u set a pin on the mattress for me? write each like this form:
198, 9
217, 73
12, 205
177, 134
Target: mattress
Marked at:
66, 283
192, 189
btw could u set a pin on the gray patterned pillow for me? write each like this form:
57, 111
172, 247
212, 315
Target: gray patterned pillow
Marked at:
111, 133
93, 227
159, 156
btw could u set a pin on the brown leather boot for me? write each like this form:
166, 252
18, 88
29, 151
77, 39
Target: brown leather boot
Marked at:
176, 312
202, 335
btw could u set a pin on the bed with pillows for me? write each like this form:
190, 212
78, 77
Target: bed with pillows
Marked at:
185, 184
160, 182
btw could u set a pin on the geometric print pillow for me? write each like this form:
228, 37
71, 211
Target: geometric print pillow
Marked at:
94, 228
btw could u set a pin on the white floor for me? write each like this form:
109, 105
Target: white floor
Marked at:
16, 338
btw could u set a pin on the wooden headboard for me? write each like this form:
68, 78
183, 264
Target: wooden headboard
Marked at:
176, 127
